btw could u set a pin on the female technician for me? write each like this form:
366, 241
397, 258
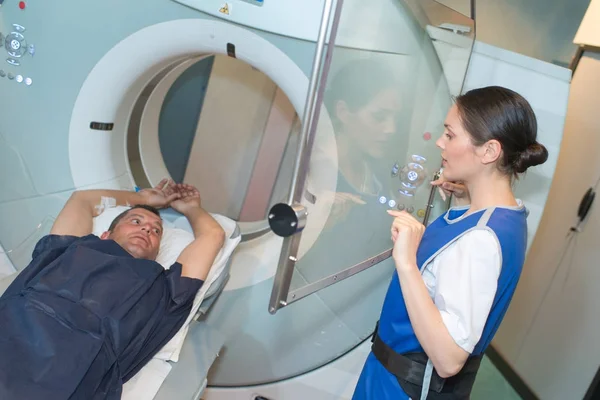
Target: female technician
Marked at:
455, 279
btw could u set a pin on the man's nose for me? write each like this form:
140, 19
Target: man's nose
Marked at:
146, 229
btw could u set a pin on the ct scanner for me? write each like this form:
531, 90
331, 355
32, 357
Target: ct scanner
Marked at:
72, 76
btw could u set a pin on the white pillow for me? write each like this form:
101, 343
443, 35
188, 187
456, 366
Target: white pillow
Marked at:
176, 236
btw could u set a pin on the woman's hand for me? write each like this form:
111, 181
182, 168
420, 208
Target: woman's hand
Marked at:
456, 189
343, 203
406, 235
160, 196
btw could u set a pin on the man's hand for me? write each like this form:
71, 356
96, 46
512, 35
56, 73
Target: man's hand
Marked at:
198, 257
160, 196
188, 199
76, 216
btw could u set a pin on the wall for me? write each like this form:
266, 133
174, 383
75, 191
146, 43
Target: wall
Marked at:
589, 30
546, 87
542, 29
551, 331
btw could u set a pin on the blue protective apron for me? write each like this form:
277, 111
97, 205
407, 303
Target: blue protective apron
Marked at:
509, 225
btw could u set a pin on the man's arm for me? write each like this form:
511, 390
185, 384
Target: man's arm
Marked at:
197, 258
75, 218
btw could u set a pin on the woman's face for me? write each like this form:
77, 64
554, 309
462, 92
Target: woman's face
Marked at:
461, 158
371, 126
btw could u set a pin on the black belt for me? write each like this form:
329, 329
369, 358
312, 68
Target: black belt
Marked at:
410, 367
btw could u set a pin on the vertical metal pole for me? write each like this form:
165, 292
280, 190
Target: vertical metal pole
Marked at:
287, 259
320, 94
431, 199
310, 99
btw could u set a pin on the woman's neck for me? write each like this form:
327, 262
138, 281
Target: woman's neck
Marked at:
351, 164
489, 191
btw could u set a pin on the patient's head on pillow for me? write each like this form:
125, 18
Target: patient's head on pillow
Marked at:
138, 231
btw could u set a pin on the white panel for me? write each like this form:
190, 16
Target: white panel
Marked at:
510, 57
302, 20
285, 17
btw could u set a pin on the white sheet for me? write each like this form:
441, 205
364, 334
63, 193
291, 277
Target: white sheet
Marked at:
146, 383
172, 349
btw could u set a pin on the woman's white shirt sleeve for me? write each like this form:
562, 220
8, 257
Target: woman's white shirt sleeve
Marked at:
462, 281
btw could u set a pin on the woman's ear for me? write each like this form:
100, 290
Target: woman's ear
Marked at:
492, 150
341, 111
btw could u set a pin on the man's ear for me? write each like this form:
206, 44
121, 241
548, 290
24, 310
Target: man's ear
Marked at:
105, 235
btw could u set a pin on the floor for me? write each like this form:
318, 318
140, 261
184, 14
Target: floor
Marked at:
491, 385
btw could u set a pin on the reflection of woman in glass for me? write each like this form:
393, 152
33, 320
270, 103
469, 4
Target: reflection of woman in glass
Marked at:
364, 103
454, 280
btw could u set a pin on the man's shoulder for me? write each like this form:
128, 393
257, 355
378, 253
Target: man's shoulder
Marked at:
52, 241
61, 242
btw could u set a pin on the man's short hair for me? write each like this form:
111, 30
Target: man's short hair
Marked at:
119, 217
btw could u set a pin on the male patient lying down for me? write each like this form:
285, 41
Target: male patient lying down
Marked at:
88, 313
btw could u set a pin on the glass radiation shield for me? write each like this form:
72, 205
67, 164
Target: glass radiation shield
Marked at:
387, 85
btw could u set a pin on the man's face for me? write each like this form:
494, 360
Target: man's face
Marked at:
139, 233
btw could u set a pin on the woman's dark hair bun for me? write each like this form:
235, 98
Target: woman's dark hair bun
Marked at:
534, 154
